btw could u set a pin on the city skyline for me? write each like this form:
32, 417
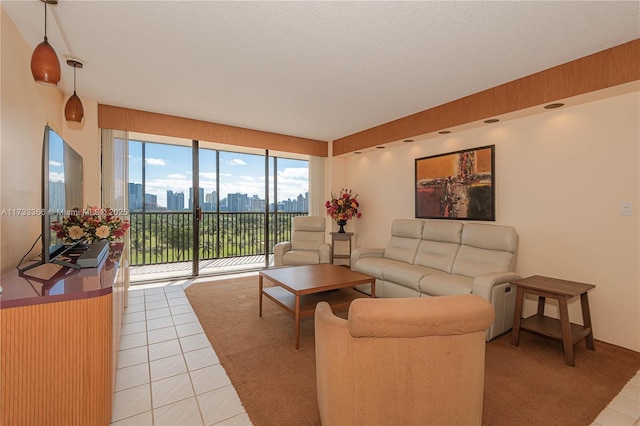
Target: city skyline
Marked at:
169, 168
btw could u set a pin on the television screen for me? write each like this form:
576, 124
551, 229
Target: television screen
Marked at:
62, 187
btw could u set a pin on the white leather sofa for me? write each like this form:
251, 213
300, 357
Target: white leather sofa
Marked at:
441, 258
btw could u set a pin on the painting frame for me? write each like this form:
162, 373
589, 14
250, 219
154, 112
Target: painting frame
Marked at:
456, 185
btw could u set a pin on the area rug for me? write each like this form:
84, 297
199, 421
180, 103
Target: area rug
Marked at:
524, 385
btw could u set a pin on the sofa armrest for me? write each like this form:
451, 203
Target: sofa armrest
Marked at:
278, 252
365, 252
483, 284
325, 253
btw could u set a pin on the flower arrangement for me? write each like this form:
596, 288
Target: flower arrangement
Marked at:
343, 206
91, 224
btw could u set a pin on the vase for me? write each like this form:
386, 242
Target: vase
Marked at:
341, 223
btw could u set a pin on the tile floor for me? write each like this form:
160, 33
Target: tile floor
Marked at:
168, 373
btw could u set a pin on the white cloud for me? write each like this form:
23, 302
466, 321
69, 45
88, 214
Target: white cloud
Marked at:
177, 176
55, 163
236, 162
56, 177
156, 161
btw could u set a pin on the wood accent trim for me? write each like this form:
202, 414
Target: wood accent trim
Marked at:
56, 363
113, 117
611, 67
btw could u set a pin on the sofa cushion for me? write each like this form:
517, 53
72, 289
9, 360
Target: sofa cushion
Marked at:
485, 249
405, 275
442, 284
372, 265
405, 238
491, 237
301, 257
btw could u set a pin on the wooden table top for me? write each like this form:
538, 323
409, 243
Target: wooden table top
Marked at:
554, 285
308, 279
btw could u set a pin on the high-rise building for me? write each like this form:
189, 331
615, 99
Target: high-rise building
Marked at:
135, 196
175, 201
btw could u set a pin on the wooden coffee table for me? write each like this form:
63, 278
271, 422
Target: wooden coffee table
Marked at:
299, 288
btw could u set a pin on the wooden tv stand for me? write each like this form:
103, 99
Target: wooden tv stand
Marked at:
59, 341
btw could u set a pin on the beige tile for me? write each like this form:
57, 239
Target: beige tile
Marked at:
132, 356
133, 340
241, 420
630, 391
156, 305
167, 367
209, 378
626, 406
177, 301
134, 327
201, 358
152, 291
158, 313
132, 376
171, 389
130, 402
155, 298
134, 307
175, 288
181, 413
161, 334
635, 380
184, 318
181, 309
612, 417
156, 323
133, 317
220, 404
193, 342
144, 419
164, 349
188, 329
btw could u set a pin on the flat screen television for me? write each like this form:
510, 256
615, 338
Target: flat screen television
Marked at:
61, 192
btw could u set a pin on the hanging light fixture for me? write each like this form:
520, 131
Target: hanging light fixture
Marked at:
73, 110
45, 66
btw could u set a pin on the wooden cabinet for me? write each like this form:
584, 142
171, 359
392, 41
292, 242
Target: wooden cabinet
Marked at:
59, 343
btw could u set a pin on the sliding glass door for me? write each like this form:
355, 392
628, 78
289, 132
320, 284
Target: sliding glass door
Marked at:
199, 210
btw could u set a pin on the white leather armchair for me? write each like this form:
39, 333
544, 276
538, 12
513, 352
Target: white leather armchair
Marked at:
307, 245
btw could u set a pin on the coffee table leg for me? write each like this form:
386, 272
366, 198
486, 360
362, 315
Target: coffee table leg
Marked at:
297, 321
260, 295
373, 288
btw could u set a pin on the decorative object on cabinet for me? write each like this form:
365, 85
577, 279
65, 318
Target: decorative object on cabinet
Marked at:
343, 207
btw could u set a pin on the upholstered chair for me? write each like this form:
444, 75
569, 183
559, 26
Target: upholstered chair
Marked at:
405, 361
307, 245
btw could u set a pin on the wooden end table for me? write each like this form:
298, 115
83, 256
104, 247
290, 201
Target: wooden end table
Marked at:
299, 288
341, 236
562, 329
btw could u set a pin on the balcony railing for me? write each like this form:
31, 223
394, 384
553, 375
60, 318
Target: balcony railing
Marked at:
166, 237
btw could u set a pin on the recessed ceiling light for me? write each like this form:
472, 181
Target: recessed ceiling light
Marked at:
553, 106
408, 140
491, 120
357, 152
444, 132
380, 147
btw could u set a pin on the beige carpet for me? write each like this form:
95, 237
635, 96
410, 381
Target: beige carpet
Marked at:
525, 385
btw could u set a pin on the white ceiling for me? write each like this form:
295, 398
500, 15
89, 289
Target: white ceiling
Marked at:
320, 70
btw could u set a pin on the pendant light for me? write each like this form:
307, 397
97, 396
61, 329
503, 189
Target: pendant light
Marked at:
45, 66
73, 110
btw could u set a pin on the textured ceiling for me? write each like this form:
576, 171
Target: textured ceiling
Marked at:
320, 70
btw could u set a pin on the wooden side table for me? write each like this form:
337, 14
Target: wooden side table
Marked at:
562, 329
341, 236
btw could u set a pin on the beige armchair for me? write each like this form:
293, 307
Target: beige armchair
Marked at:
307, 245
402, 361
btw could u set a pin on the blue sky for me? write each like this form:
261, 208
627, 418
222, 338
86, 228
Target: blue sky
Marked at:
169, 167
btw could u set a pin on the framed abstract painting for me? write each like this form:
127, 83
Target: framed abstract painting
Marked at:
456, 185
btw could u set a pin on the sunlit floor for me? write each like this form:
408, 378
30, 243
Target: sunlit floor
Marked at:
168, 373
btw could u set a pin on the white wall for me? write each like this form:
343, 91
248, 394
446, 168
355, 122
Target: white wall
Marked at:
26, 107
561, 177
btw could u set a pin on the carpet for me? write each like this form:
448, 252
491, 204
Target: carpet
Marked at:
524, 385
